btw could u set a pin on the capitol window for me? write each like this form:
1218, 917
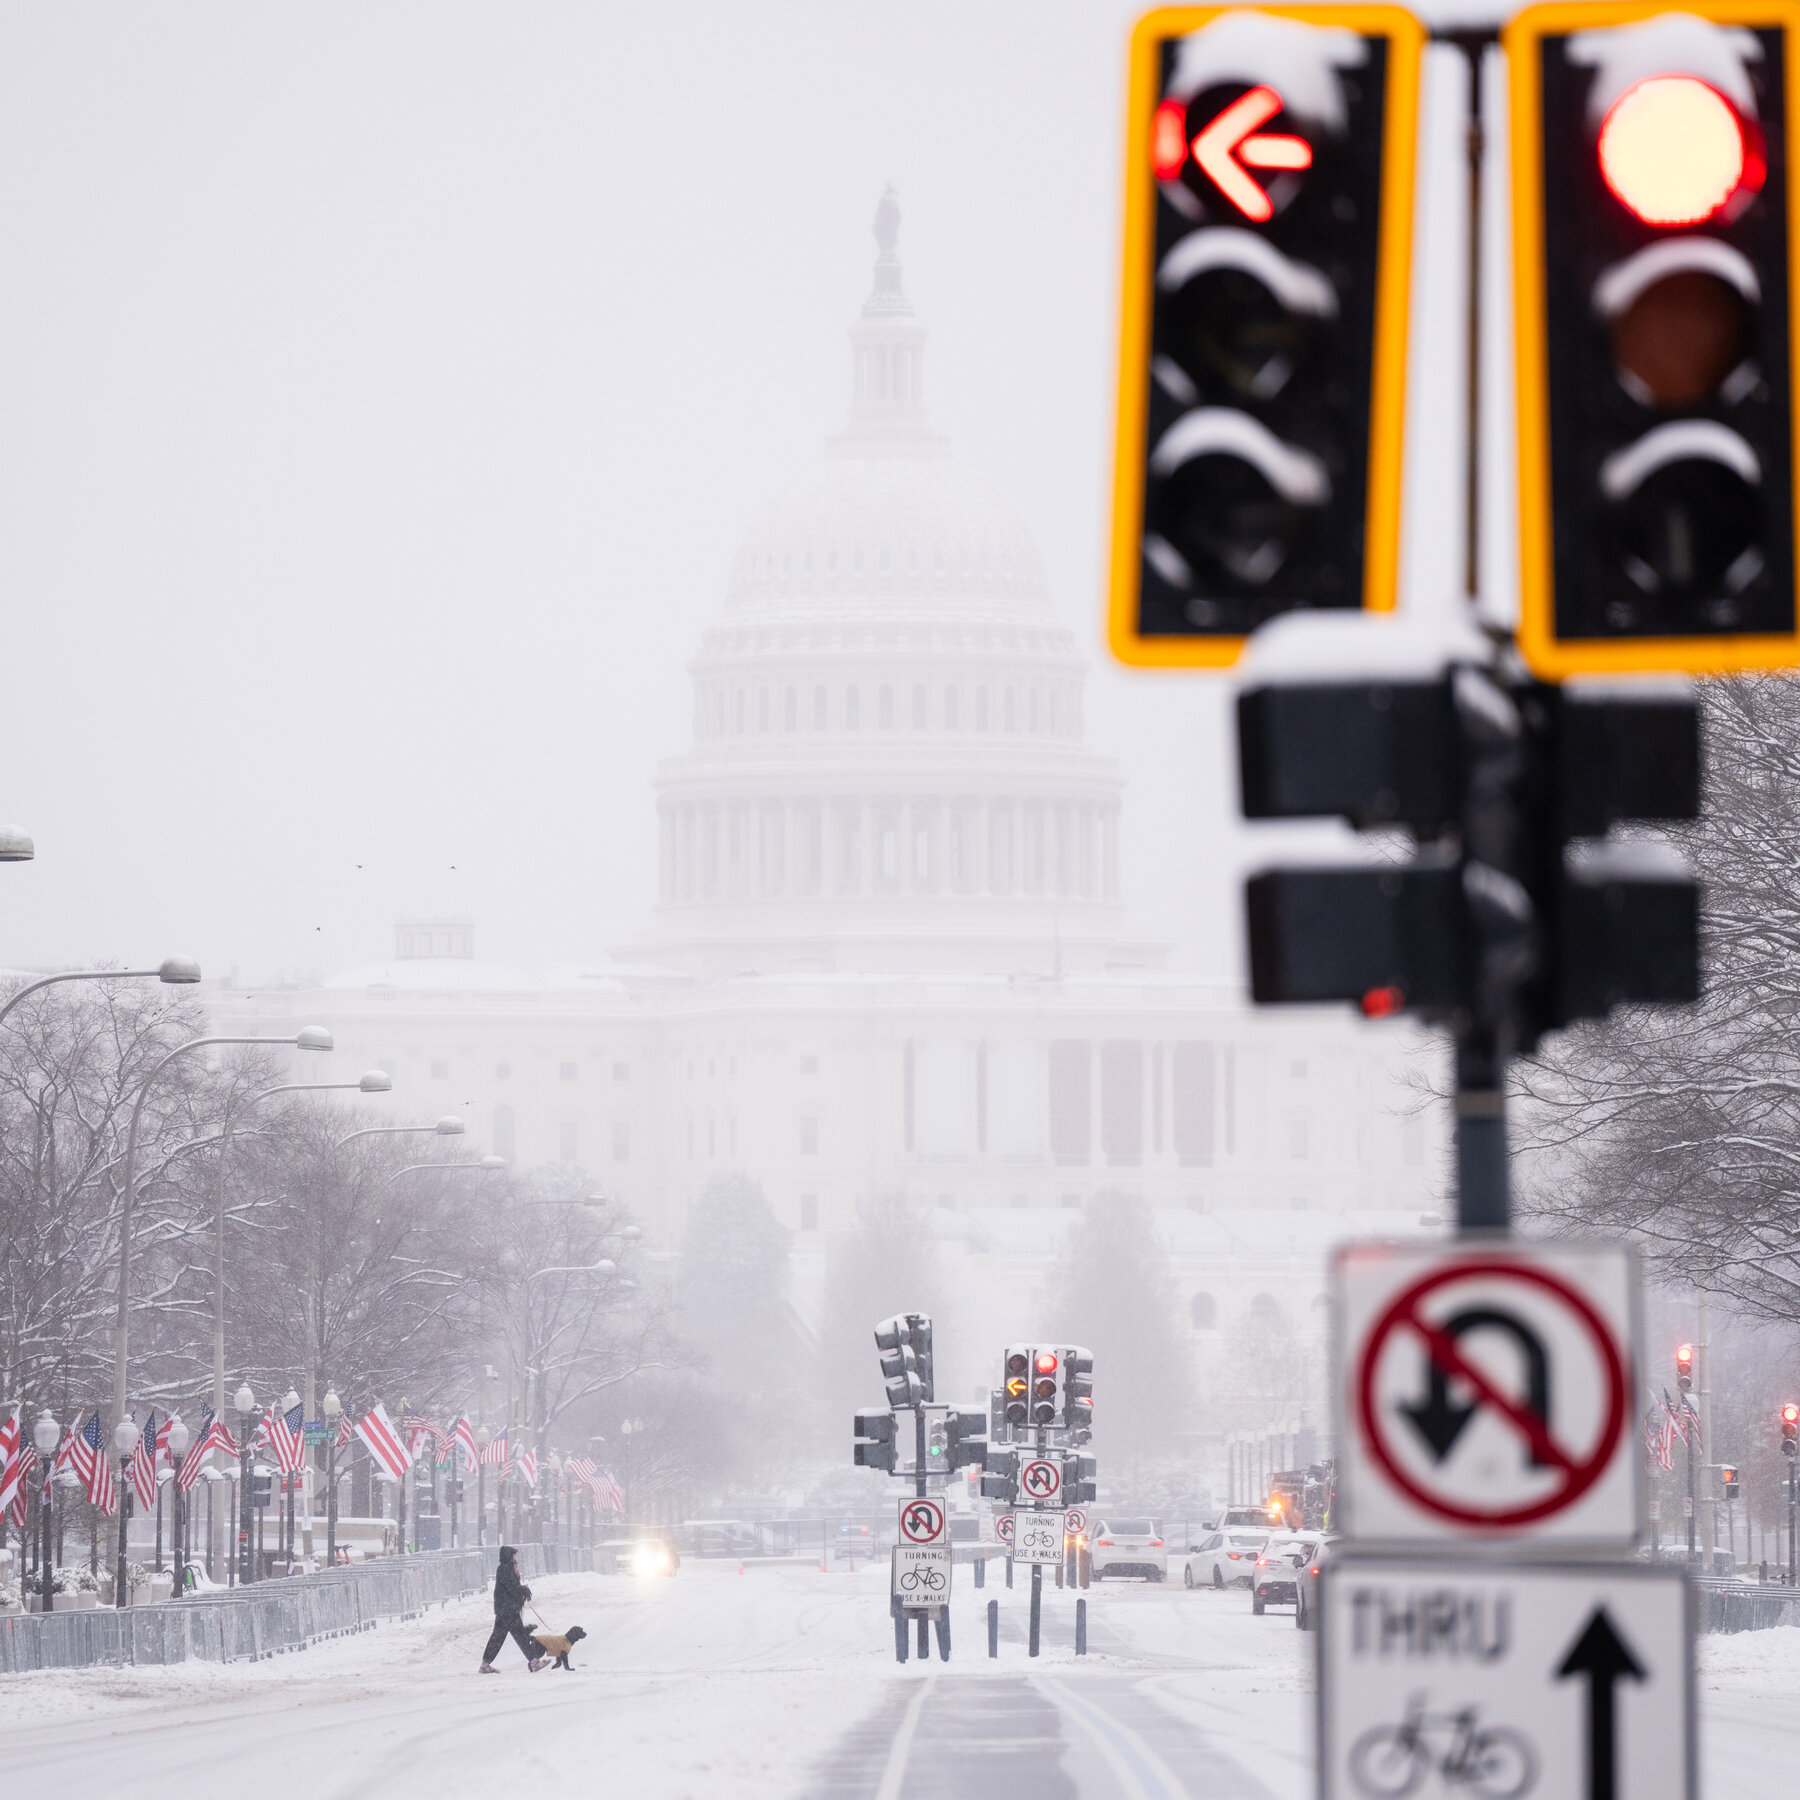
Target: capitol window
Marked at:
853, 709
792, 719
981, 716
885, 715
762, 709
809, 1136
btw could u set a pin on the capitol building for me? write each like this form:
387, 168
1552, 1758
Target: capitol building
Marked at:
891, 949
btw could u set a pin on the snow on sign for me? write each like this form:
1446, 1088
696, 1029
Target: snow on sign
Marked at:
921, 1522
1486, 1391
1040, 1481
1541, 1681
1039, 1538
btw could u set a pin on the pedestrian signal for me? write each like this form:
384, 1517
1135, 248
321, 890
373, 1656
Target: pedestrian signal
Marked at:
1268, 225
1653, 260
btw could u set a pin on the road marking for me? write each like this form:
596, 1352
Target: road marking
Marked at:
894, 1770
1139, 1771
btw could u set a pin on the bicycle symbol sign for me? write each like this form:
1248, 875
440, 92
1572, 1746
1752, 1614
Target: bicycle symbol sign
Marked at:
921, 1522
924, 1578
1487, 1391
1040, 1480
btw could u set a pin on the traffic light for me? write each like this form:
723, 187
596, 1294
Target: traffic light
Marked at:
1728, 1479
1268, 225
937, 1441
1515, 914
1000, 1475
1044, 1365
1684, 1367
964, 1442
1017, 1387
1078, 1389
877, 1449
1790, 1428
1079, 1477
1652, 257
905, 1346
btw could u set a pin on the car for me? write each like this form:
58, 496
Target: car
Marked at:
1274, 1578
649, 1554
1307, 1589
1247, 1518
1223, 1558
1129, 1547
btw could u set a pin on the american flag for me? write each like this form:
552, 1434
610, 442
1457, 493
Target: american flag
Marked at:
102, 1491
11, 1470
1683, 1419
376, 1430
27, 1465
142, 1467
528, 1467
462, 1437
73, 1454
581, 1467
346, 1434
494, 1451
608, 1493
419, 1430
287, 1438
214, 1435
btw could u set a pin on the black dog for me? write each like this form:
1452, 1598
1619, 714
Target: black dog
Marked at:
559, 1645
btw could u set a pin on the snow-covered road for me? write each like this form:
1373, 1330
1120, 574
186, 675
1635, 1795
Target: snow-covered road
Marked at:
777, 1683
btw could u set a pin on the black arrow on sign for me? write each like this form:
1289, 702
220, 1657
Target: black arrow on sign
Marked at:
1438, 1419
1604, 1658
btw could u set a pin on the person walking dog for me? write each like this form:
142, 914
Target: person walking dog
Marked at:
510, 1595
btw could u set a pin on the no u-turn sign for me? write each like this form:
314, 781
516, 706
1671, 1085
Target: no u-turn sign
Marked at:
1487, 1392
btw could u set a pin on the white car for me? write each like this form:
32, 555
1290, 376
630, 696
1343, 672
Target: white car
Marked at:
1224, 1558
1128, 1547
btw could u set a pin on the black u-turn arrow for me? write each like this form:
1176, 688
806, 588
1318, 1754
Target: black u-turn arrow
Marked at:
1439, 1420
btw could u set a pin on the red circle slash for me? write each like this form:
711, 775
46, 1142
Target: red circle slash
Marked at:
1577, 1473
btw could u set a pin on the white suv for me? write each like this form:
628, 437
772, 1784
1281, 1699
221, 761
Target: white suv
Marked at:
1128, 1547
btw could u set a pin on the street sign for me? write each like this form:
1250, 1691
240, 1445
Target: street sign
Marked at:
1040, 1481
922, 1522
1003, 1528
315, 1431
921, 1574
1074, 1521
1039, 1538
1557, 1681
1486, 1393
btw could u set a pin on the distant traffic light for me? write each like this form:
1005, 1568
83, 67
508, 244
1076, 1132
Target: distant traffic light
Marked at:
1684, 1367
1017, 1387
1078, 1389
906, 1367
1512, 913
1653, 265
1728, 1479
878, 1450
1268, 224
1790, 1428
963, 1440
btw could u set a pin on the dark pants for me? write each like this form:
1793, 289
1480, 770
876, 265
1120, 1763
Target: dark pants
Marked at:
515, 1628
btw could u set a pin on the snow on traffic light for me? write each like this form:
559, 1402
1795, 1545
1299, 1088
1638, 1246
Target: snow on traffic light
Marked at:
1653, 264
1268, 211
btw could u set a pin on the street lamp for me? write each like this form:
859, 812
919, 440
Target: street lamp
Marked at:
178, 1447
46, 1433
125, 1440
309, 1037
479, 1164
15, 846
448, 1126
245, 1402
331, 1407
174, 971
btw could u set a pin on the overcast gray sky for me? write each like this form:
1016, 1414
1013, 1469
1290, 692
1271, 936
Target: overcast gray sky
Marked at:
383, 390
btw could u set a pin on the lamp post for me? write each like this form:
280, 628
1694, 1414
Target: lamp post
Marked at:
178, 1446
289, 1401
448, 1126
125, 1440
173, 971
46, 1434
245, 1401
478, 1163
331, 1408
309, 1037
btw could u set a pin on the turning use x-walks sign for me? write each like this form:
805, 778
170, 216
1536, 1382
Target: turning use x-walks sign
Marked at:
1486, 1392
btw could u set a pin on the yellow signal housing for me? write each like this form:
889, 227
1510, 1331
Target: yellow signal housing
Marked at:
1355, 555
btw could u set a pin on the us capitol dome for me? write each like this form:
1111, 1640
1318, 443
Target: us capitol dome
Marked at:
888, 769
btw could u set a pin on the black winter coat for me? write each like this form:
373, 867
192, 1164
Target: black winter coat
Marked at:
510, 1594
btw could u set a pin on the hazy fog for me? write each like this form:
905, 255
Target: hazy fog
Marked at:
383, 390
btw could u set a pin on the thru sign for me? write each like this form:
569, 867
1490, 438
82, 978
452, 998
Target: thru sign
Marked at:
1487, 1392
1547, 1681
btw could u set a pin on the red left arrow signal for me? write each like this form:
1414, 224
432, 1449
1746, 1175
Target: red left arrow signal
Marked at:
1231, 145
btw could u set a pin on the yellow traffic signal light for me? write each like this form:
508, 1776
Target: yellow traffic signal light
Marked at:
1268, 240
1653, 239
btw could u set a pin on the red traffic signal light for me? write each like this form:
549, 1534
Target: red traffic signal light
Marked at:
1674, 151
1046, 1362
1790, 1419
